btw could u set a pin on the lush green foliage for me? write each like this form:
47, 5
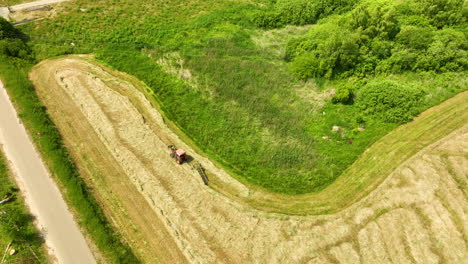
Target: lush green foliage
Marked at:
299, 12
12, 2
390, 100
16, 225
384, 37
238, 100
13, 73
12, 41
343, 94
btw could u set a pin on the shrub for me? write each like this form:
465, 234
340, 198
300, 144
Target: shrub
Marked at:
268, 19
448, 52
12, 41
14, 48
300, 12
443, 13
342, 95
326, 52
7, 30
376, 19
415, 37
382, 37
389, 100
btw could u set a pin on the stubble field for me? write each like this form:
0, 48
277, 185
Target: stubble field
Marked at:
403, 201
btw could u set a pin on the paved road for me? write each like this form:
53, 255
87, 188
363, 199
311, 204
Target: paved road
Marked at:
33, 4
4, 12
42, 195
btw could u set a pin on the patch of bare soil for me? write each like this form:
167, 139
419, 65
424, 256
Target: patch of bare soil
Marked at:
416, 215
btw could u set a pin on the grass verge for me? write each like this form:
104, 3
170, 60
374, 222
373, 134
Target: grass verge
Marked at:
16, 224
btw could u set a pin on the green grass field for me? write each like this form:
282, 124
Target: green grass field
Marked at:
11, 2
258, 87
224, 82
16, 226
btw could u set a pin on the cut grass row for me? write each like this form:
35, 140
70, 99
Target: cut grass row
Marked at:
379, 161
263, 132
14, 75
115, 192
370, 168
16, 224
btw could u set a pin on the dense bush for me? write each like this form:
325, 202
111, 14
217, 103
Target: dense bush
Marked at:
300, 12
390, 101
375, 19
12, 42
7, 30
343, 94
383, 37
440, 13
328, 50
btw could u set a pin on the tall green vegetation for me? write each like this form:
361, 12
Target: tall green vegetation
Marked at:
14, 68
269, 118
16, 225
391, 101
382, 37
12, 41
300, 12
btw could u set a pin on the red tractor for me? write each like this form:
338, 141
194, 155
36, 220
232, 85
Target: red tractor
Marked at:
178, 154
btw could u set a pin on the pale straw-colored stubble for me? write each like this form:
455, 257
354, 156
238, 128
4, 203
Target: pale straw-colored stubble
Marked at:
388, 225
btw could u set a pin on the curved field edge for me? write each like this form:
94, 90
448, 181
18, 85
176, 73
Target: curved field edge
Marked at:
102, 237
375, 164
414, 216
364, 175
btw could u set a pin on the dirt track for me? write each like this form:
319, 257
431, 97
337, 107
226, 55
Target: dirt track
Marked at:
417, 215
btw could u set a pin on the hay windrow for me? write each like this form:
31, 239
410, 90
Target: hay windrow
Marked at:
389, 224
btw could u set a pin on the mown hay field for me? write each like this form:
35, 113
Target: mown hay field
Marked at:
403, 201
241, 89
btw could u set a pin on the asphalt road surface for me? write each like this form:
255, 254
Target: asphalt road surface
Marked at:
33, 4
65, 241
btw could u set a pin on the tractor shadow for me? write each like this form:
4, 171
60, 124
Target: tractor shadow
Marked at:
189, 159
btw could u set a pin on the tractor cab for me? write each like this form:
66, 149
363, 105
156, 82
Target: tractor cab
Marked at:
178, 154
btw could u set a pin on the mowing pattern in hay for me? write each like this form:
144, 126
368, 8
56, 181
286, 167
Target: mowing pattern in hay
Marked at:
417, 215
